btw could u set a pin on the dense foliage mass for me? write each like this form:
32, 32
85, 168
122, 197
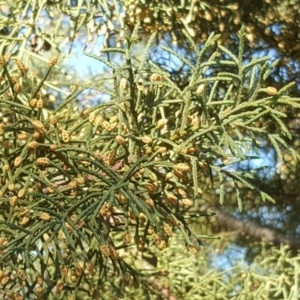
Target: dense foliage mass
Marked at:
123, 194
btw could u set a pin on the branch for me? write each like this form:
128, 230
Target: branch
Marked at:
251, 228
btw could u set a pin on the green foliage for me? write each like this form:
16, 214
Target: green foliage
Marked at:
87, 195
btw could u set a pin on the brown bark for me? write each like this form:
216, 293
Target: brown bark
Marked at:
251, 228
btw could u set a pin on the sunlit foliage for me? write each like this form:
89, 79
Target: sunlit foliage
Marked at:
96, 199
